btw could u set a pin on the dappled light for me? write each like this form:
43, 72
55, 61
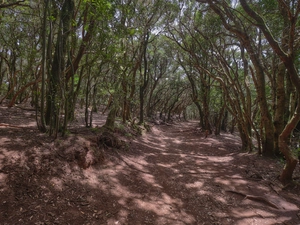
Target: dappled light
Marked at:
170, 175
149, 112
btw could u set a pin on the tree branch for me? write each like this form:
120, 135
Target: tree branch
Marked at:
262, 25
17, 3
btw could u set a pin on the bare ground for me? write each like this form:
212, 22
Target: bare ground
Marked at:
171, 175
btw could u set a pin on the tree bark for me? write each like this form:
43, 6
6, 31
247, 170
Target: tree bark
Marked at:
291, 161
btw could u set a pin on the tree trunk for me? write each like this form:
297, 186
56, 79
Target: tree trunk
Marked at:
280, 106
206, 113
266, 118
218, 120
141, 121
42, 126
55, 98
201, 116
87, 100
111, 117
145, 77
224, 121
291, 161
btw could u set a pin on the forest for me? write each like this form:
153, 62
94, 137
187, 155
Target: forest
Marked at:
230, 65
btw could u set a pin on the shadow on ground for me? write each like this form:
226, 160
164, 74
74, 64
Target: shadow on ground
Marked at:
172, 175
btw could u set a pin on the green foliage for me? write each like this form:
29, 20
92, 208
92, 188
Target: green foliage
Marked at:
103, 10
101, 5
132, 31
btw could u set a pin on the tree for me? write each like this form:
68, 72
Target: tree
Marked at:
230, 17
290, 12
56, 77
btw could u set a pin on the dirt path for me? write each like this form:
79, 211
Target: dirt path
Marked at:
172, 175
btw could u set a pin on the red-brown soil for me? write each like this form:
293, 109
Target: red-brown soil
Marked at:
171, 175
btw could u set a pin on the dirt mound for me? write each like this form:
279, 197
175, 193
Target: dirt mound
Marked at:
81, 150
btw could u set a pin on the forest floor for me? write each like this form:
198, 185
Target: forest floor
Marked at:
170, 175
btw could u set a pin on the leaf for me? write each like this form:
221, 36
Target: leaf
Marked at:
131, 31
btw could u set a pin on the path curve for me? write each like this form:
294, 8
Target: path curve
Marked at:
174, 175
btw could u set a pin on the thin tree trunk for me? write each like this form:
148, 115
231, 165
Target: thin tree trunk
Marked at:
145, 78
218, 120
42, 126
280, 106
87, 99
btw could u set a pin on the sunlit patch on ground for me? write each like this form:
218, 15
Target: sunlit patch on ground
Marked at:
172, 175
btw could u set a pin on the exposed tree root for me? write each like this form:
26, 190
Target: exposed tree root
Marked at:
255, 198
108, 139
291, 185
